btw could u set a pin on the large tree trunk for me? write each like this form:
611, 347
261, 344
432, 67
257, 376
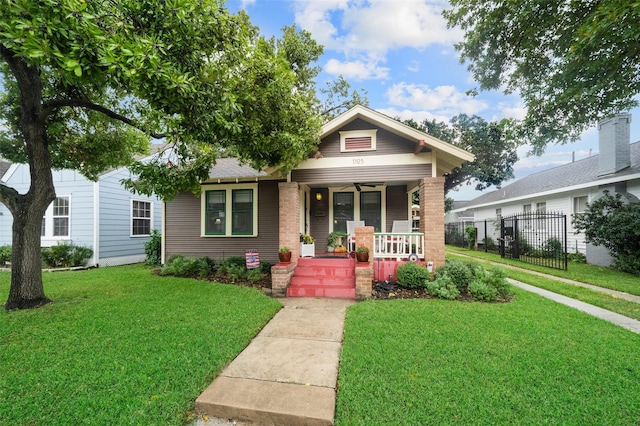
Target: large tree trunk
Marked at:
27, 290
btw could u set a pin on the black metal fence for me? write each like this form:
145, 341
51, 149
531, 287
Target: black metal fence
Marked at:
536, 238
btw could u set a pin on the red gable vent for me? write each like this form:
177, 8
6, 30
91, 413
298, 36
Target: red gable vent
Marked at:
357, 144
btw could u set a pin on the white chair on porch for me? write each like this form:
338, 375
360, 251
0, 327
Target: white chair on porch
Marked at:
397, 243
351, 233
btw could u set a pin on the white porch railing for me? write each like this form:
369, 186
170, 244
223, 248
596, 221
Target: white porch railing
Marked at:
398, 246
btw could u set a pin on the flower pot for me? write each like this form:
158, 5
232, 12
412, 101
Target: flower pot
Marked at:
362, 257
284, 256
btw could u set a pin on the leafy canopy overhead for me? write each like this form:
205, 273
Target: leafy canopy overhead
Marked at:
490, 142
186, 72
573, 62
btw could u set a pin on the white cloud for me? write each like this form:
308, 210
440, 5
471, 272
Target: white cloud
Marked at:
508, 110
356, 70
375, 25
442, 100
406, 114
245, 3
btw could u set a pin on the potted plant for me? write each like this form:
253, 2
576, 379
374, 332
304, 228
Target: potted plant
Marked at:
284, 254
334, 240
307, 245
362, 254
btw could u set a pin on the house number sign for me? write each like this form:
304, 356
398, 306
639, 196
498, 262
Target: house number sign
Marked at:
357, 161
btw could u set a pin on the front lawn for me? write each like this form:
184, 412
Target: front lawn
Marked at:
530, 361
121, 346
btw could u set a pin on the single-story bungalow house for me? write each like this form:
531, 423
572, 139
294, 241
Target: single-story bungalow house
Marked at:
365, 169
568, 188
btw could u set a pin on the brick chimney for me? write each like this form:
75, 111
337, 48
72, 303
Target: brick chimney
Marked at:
614, 138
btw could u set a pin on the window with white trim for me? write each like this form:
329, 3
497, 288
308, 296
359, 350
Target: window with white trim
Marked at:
237, 202
358, 140
141, 214
580, 204
56, 220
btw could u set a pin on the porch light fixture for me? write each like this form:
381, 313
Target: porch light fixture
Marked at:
319, 196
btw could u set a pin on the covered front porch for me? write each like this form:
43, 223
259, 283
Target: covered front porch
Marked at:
377, 208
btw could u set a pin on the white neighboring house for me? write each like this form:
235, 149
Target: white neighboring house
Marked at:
101, 215
567, 188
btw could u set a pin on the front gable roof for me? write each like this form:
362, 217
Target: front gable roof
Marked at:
448, 155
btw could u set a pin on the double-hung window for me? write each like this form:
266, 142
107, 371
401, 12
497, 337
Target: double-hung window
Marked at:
230, 210
141, 214
56, 220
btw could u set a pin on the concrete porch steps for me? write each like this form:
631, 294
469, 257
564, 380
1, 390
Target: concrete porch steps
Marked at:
317, 277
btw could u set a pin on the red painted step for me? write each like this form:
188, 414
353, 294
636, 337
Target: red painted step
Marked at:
315, 277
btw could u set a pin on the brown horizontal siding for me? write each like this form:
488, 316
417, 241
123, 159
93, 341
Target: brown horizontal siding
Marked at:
182, 228
397, 205
386, 142
363, 174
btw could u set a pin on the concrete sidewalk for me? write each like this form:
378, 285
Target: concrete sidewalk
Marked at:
287, 374
626, 322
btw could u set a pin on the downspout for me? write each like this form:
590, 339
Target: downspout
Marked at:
96, 223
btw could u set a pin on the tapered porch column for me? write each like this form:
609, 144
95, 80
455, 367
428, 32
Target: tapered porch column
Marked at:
432, 219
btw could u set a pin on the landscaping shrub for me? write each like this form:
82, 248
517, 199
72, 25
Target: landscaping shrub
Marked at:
153, 249
461, 273
254, 275
412, 275
613, 222
577, 257
191, 267
443, 287
235, 272
490, 285
265, 267
472, 233
5, 254
65, 255
552, 249
480, 290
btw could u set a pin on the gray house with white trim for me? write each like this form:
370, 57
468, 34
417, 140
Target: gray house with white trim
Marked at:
569, 187
101, 215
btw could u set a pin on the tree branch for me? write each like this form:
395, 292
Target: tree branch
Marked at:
9, 197
55, 104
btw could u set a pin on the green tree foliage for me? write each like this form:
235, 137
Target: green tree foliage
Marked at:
491, 143
339, 97
613, 222
573, 62
87, 83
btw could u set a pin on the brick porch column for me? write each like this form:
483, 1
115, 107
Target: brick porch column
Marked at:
432, 219
364, 272
289, 218
288, 236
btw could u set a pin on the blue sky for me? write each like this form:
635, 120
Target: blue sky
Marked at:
401, 52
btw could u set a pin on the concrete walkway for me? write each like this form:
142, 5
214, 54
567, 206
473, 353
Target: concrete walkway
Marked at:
626, 322
287, 374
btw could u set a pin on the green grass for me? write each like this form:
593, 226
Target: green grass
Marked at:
121, 346
604, 300
530, 361
590, 274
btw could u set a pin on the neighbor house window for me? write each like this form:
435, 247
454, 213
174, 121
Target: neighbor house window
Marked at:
56, 220
238, 202
541, 207
140, 218
499, 213
579, 204
358, 140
